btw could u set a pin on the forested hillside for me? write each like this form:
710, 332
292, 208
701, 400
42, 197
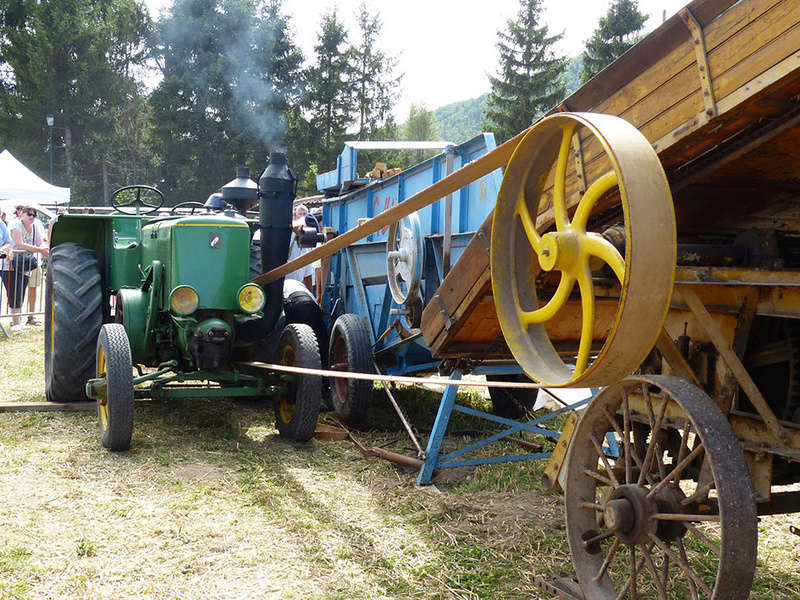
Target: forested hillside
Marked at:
460, 121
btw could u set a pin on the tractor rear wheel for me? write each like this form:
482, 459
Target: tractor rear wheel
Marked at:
350, 350
296, 411
115, 410
73, 316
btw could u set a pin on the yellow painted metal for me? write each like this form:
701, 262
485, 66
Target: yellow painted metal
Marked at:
286, 404
520, 252
101, 373
556, 462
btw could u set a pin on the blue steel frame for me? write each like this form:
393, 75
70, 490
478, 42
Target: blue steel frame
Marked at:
433, 459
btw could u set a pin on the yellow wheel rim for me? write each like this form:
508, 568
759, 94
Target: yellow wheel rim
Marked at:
529, 244
103, 403
285, 405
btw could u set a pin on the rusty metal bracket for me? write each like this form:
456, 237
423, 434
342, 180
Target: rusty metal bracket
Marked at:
449, 320
794, 530
580, 172
699, 42
487, 245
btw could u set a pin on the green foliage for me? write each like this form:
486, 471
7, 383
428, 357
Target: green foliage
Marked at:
419, 127
330, 91
572, 75
529, 78
460, 121
75, 59
375, 86
230, 76
615, 33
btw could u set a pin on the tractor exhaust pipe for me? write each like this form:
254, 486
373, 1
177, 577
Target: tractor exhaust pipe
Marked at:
277, 188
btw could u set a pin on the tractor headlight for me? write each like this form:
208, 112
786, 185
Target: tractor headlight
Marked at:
251, 298
184, 300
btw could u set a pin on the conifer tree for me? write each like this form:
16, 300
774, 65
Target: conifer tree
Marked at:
529, 78
329, 89
615, 33
374, 82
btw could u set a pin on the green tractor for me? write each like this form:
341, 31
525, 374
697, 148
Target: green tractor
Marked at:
171, 294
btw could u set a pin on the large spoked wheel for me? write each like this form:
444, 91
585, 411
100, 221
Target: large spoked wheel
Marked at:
556, 250
115, 408
73, 316
296, 412
674, 516
350, 350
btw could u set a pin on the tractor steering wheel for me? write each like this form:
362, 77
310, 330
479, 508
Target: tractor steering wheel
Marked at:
123, 201
174, 209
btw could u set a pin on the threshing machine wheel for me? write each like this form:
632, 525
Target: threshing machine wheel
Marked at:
404, 258
131, 195
350, 349
296, 412
73, 316
619, 162
656, 523
115, 409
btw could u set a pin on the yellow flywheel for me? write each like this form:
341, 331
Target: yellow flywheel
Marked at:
571, 173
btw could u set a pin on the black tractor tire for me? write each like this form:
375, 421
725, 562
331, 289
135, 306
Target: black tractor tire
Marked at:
115, 412
350, 349
512, 403
297, 411
73, 316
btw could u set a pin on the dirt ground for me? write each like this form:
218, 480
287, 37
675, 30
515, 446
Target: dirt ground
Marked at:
211, 503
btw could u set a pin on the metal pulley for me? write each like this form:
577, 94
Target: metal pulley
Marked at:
545, 256
404, 259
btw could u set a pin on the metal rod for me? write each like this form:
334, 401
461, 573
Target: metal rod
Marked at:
398, 410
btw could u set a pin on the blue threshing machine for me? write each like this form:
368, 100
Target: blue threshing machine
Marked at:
376, 288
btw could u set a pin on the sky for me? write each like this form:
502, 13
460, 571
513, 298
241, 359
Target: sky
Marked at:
446, 48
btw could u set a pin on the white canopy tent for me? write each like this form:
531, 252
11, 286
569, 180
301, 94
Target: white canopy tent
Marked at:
22, 186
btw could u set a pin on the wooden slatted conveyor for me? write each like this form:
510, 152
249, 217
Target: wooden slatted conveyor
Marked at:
715, 90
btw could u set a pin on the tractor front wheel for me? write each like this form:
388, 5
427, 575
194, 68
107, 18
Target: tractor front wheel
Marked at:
73, 316
115, 409
296, 411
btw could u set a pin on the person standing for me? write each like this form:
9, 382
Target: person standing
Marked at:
24, 238
36, 277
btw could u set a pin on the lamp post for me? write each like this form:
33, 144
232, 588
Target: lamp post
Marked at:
50, 120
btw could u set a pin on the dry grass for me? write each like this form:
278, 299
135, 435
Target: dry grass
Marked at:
211, 503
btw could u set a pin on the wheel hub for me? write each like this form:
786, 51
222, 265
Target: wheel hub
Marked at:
628, 514
559, 250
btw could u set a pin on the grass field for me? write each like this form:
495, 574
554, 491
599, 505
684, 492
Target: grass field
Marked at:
211, 503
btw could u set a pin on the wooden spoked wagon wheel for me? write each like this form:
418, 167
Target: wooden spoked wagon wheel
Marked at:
674, 516
624, 176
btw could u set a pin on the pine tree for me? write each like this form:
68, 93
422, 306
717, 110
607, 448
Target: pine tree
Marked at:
75, 59
615, 33
374, 83
329, 90
529, 80
231, 78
